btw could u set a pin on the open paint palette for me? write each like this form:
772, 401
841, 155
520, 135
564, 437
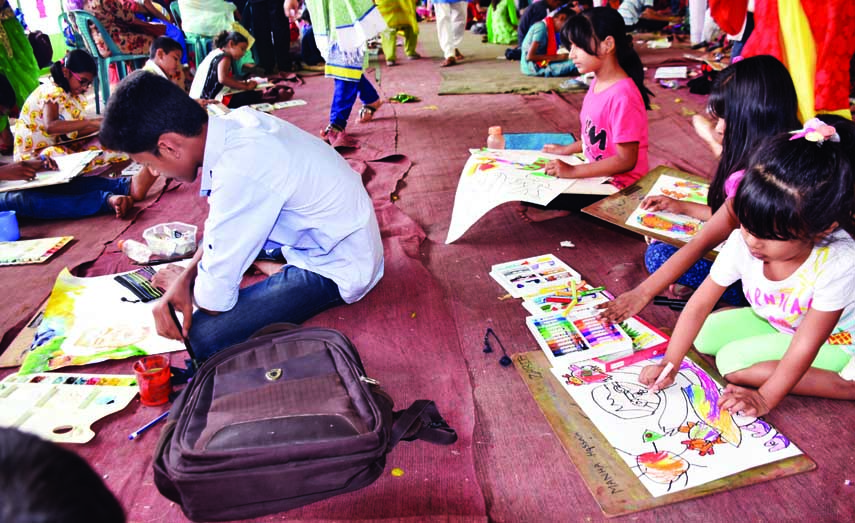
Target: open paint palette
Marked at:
62, 407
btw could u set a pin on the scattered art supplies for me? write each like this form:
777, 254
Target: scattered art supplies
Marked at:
679, 72
68, 167
647, 342
530, 275
139, 283
677, 226
88, 320
675, 438
574, 336
495, 176
268, 107
559, 299
62, 407
171, 239
23, 252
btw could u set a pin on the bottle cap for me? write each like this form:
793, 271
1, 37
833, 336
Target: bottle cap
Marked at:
496, 129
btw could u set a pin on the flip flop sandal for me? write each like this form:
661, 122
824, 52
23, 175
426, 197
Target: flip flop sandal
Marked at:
366, 113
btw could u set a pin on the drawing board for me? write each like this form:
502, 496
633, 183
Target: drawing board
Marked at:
61, 407
88, 320
676, 438
677, 226
495, 176
68, 167
617, 207
609, 477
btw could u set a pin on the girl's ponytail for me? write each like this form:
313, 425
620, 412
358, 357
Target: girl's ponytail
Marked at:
630, 62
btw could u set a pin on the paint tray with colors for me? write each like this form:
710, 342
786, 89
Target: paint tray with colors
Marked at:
61, 407
531, 275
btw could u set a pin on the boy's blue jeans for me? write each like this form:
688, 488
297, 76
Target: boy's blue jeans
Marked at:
291, 295
344, 96
76, 199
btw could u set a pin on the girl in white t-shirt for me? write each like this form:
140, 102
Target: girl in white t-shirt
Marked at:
794, 254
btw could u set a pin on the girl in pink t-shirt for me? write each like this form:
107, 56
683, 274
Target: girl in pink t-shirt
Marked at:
613, 116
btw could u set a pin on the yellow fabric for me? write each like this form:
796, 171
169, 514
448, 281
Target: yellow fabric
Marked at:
343, 72
799, 54
398, 13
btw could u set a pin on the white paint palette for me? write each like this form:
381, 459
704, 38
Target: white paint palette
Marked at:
61, 407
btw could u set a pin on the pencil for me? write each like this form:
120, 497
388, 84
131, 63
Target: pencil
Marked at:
135, 434
668, 368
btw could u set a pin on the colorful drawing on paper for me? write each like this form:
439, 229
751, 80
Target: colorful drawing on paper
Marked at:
676, 438
668, 224
62, 407
88, 320
492, 177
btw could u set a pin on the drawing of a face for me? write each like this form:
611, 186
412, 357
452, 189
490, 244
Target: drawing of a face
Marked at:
625, 399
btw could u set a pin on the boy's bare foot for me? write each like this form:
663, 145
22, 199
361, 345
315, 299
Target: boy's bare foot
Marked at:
522, 212
542, 215
121, 204
458, 55
141, 183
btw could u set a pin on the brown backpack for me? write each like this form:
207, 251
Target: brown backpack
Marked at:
279, 421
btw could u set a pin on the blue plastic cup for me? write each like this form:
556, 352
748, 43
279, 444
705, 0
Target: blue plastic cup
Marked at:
9, 231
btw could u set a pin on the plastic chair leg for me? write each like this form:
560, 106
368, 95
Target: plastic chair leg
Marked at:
104, 78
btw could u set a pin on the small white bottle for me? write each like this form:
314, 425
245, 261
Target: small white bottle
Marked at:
138, 252
495, 138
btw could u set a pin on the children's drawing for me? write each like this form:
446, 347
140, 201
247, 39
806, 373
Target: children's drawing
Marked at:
675, 438
669, 224
492, 177
87, 320
22, 252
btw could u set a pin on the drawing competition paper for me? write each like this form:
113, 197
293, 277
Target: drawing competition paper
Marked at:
492, 177
668, 224
676, 438
88, 320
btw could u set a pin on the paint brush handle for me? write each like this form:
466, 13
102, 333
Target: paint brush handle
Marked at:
137, 433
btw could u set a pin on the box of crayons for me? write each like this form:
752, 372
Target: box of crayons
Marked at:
577, 336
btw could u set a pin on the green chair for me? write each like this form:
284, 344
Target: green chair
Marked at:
64, 22
200, 44
83, 20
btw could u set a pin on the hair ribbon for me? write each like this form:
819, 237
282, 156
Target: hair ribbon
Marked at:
817, 131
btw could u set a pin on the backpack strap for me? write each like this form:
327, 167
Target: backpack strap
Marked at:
421, 421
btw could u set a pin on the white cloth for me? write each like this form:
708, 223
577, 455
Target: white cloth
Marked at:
450, 26
152, 67
206, 17
271, 180
825, 282
631, 10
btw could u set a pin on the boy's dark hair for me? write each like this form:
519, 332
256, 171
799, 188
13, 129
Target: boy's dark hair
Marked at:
41, 482
144, 107
167, 44
7, 93
229, 36
566, 11
756, 98
590, 27
77, 61
797, 189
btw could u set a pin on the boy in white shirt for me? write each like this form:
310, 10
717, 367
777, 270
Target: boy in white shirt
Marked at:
265, 180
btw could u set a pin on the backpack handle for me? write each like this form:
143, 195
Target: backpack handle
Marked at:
421, 421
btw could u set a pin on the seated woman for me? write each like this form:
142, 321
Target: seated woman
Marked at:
56, 109
540, 47
131, 35
502, 21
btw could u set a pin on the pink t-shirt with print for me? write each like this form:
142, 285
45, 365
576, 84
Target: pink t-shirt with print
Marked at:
615, 115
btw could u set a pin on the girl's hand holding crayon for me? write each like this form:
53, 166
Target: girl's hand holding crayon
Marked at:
663, 203
748, 402
657, 377
559, 169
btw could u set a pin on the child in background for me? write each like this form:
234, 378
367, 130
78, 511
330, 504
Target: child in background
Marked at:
751, 100
502, 21
540, 47
215, 73
400, 15
165, 60
613, 117
41, 481
82, 196
794, 255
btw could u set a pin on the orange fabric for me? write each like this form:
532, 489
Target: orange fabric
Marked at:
551, 38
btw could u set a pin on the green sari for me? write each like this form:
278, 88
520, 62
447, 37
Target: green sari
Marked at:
17, 61
502, 23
